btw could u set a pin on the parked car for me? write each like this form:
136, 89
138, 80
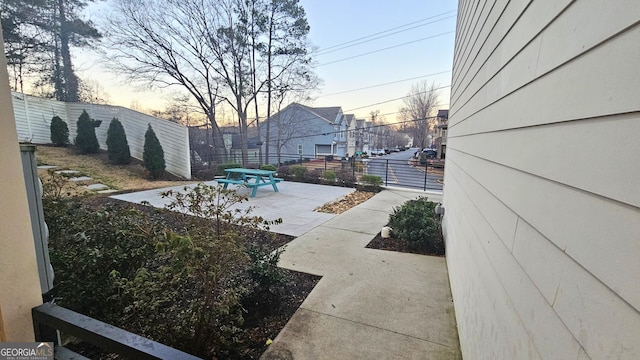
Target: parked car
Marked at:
430, 153
377, 152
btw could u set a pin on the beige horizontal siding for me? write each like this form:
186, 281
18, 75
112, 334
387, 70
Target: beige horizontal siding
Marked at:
541, 185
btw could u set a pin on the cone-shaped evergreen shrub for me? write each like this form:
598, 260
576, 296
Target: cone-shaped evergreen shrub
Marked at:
117, 145
59, 132
86, 140
153, 155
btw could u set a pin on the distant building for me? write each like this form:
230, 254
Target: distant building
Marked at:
440, 141
299, 131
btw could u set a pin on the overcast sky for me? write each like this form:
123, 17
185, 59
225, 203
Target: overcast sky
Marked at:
427, 25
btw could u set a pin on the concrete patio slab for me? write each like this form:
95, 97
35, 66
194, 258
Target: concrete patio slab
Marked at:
294, 203
47, 167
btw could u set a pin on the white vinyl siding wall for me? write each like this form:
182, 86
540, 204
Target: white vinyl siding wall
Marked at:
542, 189
173, 137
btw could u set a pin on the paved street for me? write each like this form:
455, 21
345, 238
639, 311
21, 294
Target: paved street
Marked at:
396, 170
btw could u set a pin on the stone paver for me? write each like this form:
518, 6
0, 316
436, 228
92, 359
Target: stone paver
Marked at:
80, 178
107, 191
47, 167
68, 172
97, 187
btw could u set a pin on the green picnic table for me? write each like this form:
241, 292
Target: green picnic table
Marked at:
251, 178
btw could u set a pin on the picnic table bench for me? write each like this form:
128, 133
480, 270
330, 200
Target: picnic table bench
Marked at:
251, 178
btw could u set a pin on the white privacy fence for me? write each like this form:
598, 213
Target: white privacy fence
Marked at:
33, 118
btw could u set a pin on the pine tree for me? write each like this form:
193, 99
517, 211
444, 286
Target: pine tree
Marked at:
86, 139
153, 155
59, 132
117, 145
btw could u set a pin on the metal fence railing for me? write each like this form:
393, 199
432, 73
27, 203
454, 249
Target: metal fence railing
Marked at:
406, 173
50, 318
422, 174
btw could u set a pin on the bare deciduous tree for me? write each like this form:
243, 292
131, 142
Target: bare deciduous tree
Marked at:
219, 51
419, 105
162, 44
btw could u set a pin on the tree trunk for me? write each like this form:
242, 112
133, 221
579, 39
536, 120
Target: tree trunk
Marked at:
267, 131
219, 150
70, 79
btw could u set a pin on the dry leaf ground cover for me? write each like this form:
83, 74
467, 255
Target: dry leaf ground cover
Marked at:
127, 178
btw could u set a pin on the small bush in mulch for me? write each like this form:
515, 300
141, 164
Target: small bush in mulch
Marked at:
206, 174
330, 176
415, 229
298, 171
268, 167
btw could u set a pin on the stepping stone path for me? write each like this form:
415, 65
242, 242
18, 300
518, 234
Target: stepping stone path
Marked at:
80, 178
99, 188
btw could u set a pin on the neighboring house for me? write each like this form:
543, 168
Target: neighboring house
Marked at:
359, 134
350, 123
441, 133
367, 138
542, 222
299, 131
235, 151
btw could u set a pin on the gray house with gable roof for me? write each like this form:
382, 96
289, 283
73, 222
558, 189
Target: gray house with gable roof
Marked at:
299, 131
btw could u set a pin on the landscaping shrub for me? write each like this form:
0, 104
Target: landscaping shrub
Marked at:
117, 145
86, 139
346, 178
298, 171
86, 246
206, 174
284, 171
330, 176
416, 223
312, 177
153, 154
182, 286
268, 167
222, 167
59, 132
371, 180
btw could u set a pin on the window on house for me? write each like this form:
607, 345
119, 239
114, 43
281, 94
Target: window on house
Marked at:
300, 149
323, 149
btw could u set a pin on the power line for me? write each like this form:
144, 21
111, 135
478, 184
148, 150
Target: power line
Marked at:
387, 48
396, 99
320, 53
384, 31
384, 84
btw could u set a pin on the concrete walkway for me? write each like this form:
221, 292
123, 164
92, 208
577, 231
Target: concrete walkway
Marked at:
369, 304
